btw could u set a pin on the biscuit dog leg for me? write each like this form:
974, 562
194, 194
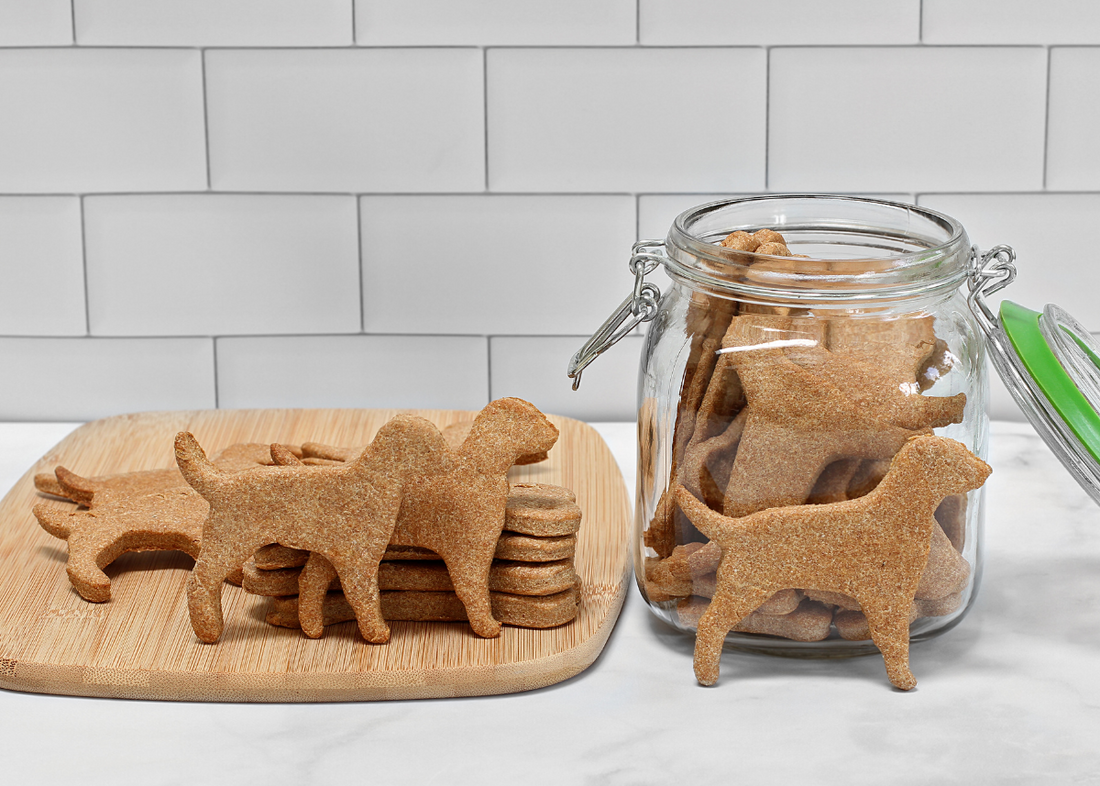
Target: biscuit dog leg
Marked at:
204, 586
358, 572
890, 633
730, 605
470, 576
313, 583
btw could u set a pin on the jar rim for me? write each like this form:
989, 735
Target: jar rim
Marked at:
911, 249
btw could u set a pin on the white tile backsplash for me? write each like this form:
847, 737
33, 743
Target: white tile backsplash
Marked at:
907, 119
395, 120
36, 22
494, 22
41, 267
626, 119
425, 372
1073, 156
756, 23
489, 264
213, 23
216, 264
312, 191
88, 120
1011, 22
1050, 268
87, 378
534, 368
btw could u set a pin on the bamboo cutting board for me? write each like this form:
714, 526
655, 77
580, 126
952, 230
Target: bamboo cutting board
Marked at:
140, 644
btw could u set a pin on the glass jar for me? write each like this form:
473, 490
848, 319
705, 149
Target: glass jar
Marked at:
789, 369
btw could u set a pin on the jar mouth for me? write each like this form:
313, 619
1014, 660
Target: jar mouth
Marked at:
852, 249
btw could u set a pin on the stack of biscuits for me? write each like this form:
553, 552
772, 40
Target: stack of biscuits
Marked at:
532, 579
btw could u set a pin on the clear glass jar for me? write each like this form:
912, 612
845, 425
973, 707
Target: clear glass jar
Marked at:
771, 380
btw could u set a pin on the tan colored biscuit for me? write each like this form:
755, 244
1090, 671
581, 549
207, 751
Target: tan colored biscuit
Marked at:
147, 510
951, 514
833, 482
454, 435
457, 511
873, 549
852, 624
797, 422
946, 573
837, 599
69, 485
541, 510
121, 523
516, 578
547, 611
346, 513
809, 621
510, 546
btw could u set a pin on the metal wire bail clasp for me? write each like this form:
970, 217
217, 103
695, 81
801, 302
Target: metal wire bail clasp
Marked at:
640, 306
989, 273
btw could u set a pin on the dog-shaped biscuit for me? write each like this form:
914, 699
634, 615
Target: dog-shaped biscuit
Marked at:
873, 549
346, 513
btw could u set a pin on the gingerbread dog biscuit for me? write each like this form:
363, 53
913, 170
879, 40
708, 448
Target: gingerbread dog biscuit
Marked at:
873, 549
524, 611
346, 513
458, 511
147, 510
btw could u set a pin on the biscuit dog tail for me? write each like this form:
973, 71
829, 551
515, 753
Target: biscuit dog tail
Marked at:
707, 521
195, 467
54, 521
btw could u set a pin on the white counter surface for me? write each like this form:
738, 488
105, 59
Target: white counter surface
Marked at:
1012, 695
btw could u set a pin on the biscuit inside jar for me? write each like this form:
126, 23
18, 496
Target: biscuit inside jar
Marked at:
748, 436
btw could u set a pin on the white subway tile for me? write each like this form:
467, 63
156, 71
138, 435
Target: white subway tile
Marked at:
36, 22
494, 22
420, 372
214, 23
87, 378
203, 264
490, 264
534, 368
346, 120
41, 267
1073, 157
906, 119
80, 120
1011, 22
755, 23
1050, 269
627, 119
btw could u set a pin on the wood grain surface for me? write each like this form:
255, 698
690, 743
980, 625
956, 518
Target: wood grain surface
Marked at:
140, 643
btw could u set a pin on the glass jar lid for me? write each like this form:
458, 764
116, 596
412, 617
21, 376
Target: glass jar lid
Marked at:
1050, 364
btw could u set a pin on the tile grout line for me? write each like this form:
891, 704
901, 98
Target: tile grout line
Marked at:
359, 256
72, 18
214, 357
489, 368
84, 268
205, 119
354, 37
485, 111
767, 115
1046, 120
920, 22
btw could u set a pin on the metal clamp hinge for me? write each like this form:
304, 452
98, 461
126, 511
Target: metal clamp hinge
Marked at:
989, 273
640, 306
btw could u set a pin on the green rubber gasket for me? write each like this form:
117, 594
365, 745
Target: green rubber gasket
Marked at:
1021, 325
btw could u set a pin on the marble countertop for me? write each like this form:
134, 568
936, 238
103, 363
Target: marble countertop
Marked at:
1011, 695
